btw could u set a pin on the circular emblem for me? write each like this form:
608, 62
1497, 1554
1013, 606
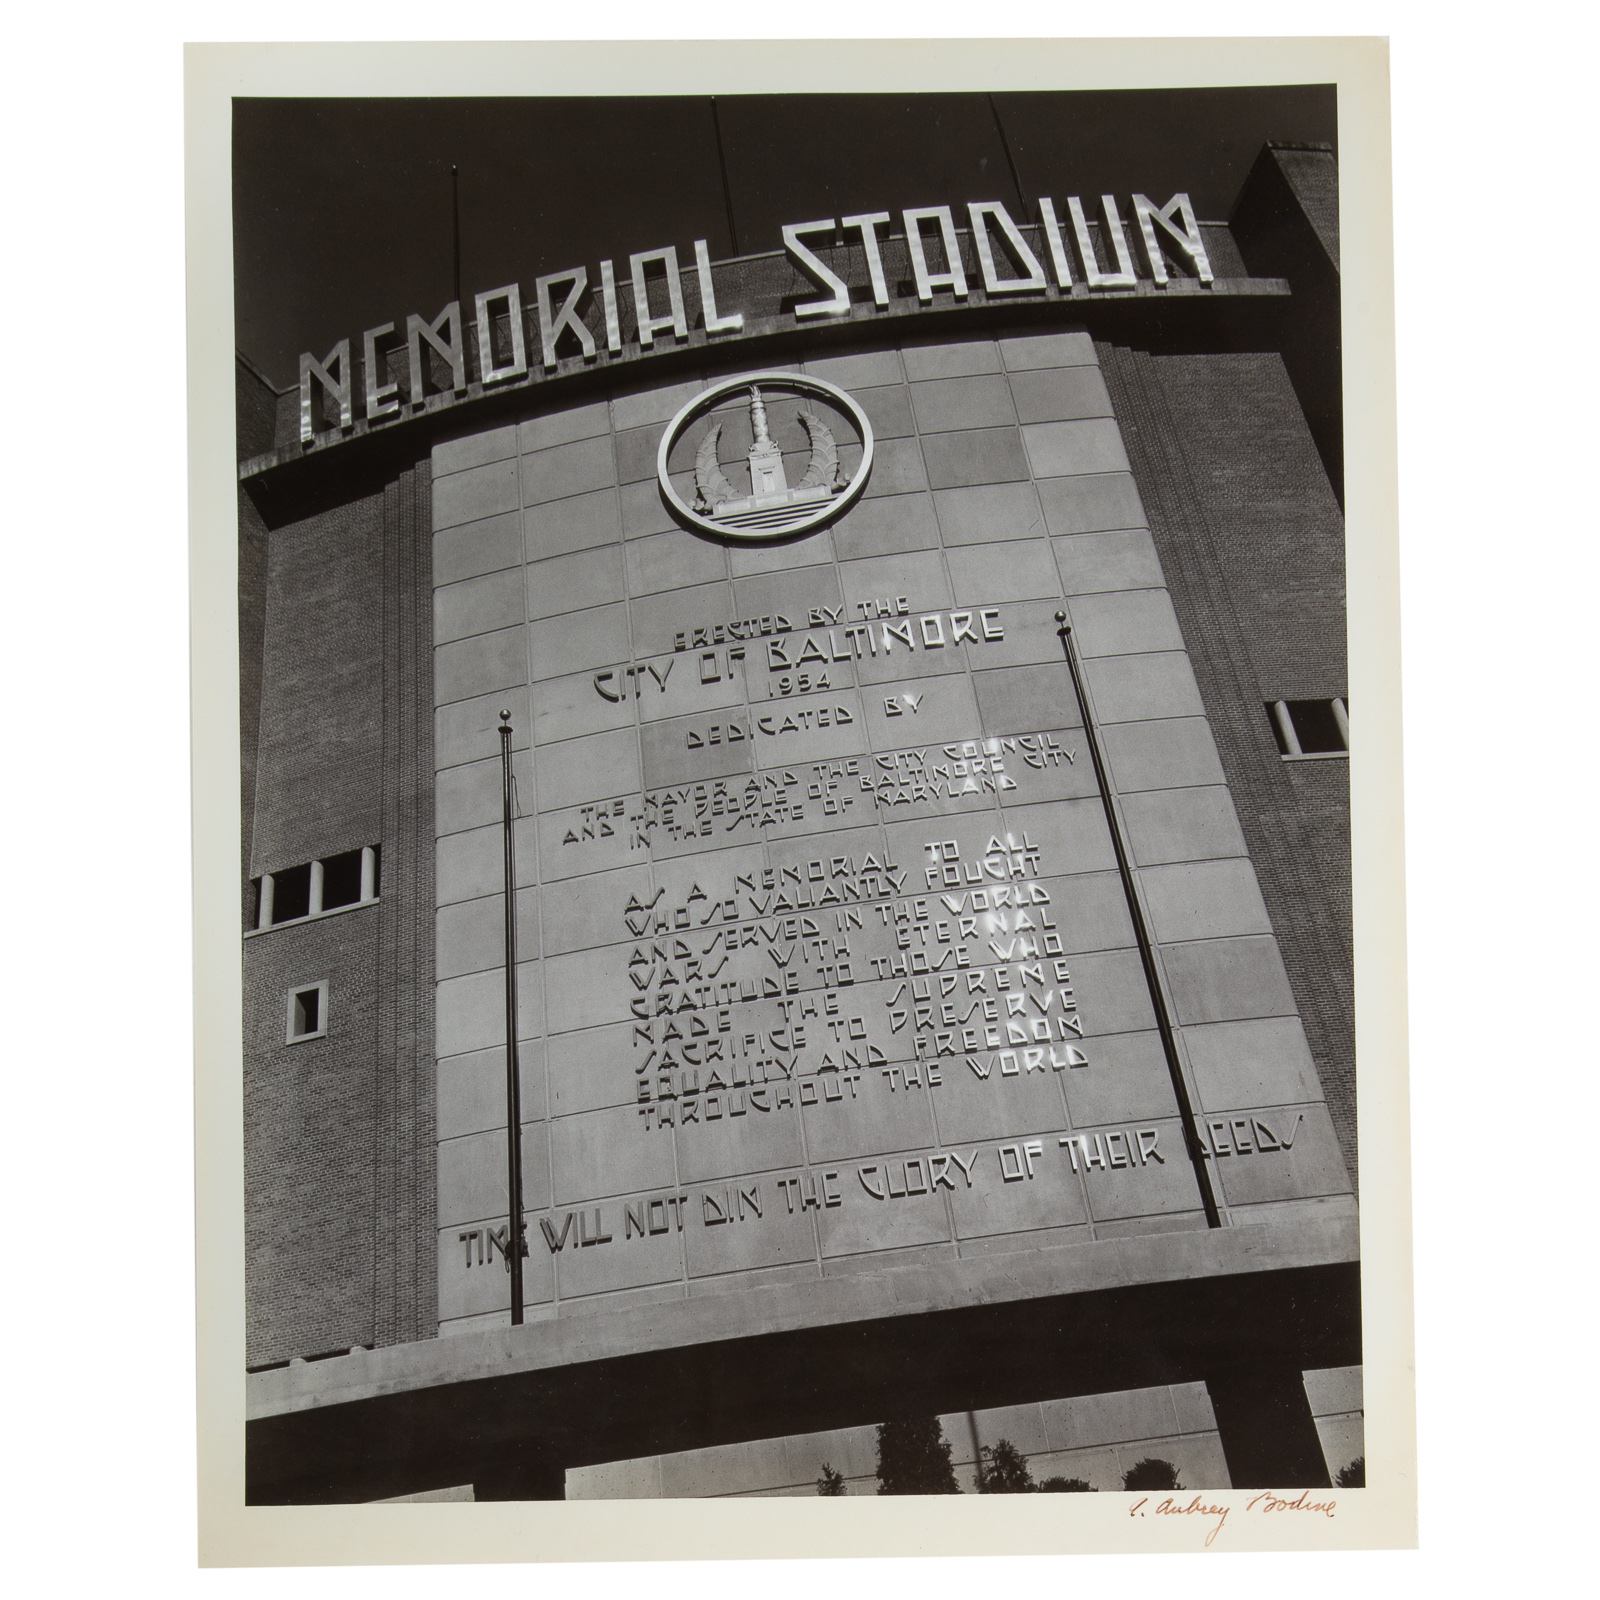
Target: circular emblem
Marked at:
705, 484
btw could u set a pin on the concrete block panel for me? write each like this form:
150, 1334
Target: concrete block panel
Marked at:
1090, 911
472, 1089
1061, 394
565, 470
886, 525
862, 1224
1199, 1460
1192, 1401
1020, 569
1061, 449
791, 594
1181, 825
1126, 623
469, 935
673, 560
484, 1289
1203, 900
735, 1138
466, 668
591, 1069
579, 916
916, 577
971, 1109
484, 491
1071, 835
865, 1126
610, 766
574, 582
667, 757
579, 522
562, 427
470, 1012
888, 410
1158, 1188
476, 450
1136, 688
1239, 1066
1255, 1172
860, 371
1052, 1197
619, 1264
1221, 980
636, 454
566, 708
1093, 503
1032, 351
587, 1152
940, 708
489, 545
1112, 994
658, 619
477, 605
747, 1242
983, 455
472, 1176
1164, 754
469, 730
945, 404
469, 796
1092, 562
643, 509
470, 865
653, 404
588, 987
1127, 1076
950, 360
988, 512
579, 641
896, 468
745, 561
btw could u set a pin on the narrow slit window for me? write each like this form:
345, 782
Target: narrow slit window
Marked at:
308, 1012
1310, 728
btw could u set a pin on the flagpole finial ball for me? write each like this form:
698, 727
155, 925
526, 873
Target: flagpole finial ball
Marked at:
1061, 616
505, 716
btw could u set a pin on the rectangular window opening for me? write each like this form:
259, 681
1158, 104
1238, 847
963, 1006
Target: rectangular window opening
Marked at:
308, 1012
1310, 727
341, 880
291, 893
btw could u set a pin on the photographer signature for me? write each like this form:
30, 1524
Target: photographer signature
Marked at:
1264, 1503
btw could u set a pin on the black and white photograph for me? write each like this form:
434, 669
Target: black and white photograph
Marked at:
795, 861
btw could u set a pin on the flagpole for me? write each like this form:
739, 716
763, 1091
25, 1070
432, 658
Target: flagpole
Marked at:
515, 1246
1141, 933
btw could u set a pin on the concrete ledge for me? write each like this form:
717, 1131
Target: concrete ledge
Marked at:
589, 1337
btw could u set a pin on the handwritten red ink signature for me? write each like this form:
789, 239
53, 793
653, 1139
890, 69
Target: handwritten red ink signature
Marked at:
1263, 1503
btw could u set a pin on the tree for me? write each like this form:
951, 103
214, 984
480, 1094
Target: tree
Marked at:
831, 1482
1066, 1486
1003, 1469
914, 1458
1151, 1473
1354, 1476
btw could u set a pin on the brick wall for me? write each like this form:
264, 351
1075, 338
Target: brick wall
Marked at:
339, 1160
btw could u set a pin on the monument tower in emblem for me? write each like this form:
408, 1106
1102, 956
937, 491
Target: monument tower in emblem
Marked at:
771, 502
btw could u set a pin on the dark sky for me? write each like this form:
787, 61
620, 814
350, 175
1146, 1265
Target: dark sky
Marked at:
342, 207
